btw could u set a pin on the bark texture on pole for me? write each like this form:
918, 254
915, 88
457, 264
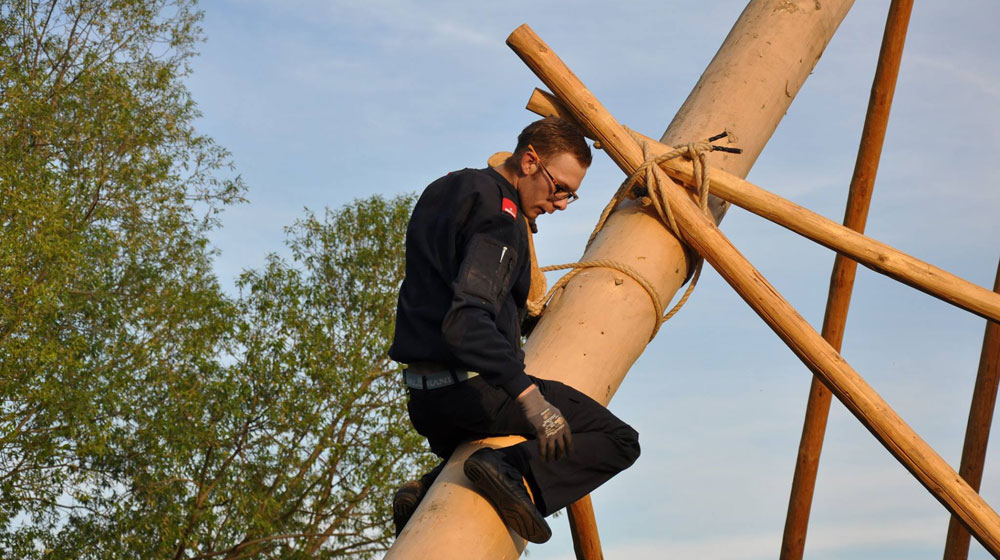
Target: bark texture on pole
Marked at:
702, 234
583, 528
977, 433
844, 271
608, 322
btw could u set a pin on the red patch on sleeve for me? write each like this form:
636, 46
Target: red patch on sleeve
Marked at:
510, 208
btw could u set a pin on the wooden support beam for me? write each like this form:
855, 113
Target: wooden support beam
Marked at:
703, 235
764, 60
838, 301
875, 255
977, 433
583, 528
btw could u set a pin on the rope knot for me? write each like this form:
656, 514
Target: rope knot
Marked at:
646, 185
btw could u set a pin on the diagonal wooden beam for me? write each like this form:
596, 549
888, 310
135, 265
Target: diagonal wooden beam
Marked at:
702, 234
874, 254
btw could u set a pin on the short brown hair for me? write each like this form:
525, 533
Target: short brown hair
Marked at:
552, 136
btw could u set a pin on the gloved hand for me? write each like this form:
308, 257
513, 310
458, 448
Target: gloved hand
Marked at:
553, 432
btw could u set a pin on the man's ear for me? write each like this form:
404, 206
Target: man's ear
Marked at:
528, 163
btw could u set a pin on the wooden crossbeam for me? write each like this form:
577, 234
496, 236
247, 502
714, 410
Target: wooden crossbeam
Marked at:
874, 254
703, 235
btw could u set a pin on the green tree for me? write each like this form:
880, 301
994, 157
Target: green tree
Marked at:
325, 438
106, 290
144, 414
292, 449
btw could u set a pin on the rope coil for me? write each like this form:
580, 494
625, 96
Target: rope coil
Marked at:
646, 185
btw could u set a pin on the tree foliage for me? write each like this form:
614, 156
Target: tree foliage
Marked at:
143, 413
105, 283
330, 439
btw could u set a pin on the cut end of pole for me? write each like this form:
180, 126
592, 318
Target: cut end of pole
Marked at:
523, 29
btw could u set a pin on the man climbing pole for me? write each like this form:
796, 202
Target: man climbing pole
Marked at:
458, 332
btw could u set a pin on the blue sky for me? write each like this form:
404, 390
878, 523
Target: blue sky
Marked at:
324, 102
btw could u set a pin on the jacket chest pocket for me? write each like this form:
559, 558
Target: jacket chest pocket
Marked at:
487, 270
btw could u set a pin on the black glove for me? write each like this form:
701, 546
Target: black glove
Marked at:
554, 438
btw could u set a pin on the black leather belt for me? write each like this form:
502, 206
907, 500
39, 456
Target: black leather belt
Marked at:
436, 379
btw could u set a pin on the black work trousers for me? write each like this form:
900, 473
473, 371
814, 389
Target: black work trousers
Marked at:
603, 444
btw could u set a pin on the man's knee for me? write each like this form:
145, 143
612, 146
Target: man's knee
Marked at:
628, 444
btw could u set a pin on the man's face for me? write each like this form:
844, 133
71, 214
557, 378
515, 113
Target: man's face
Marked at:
538, 191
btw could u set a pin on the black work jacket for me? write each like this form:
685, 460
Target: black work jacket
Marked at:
467, 279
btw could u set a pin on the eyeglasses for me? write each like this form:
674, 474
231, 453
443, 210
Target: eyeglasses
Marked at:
562, 192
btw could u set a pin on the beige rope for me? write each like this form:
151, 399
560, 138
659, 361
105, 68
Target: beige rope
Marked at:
650, 174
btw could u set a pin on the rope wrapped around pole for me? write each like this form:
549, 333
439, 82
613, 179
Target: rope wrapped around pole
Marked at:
652, 176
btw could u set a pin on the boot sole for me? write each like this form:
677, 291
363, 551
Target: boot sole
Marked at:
523, 518
404, 504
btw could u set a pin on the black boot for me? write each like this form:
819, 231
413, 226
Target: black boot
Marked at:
502, 484
409, 496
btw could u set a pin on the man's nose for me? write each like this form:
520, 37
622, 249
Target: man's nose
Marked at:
561, 204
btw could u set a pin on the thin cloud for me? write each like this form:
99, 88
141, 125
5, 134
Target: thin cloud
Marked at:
450, 32
985, 82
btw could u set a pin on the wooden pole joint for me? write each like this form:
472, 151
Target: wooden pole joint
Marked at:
815, 352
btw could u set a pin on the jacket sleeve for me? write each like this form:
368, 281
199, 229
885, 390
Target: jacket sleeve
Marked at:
484, 281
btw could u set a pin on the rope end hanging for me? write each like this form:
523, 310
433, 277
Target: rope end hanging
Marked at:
713, 148
727, 149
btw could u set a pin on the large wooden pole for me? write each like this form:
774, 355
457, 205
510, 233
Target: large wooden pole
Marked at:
838, 301
609, 322
977, 433
702, 234
753, 79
